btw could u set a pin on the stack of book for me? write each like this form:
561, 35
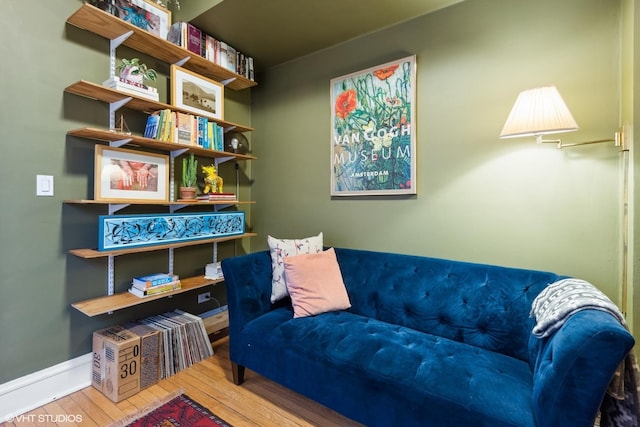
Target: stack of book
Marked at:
214, 197
132, 88
192, 38
184, 340
154, 284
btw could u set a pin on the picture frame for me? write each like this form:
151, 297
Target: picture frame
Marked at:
139, 230
196, 94
158, 18
373, 131
123, 175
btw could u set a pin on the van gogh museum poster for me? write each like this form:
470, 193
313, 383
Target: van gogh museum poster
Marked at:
373, 149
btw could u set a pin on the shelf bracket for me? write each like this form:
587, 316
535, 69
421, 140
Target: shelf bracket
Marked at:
183, 61
226, 82
174, 208
110, 274
115, 106
171, 261
224, 206
229, 129
115, 207
113, 44
120, 142
172, 181
223, 159
176, 153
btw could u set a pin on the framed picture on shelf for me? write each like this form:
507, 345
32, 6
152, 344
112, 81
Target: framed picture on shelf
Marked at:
129, 175
158, 18
196, 94
373, 131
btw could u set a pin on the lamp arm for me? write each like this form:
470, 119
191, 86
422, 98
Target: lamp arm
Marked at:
618, 141
597, 141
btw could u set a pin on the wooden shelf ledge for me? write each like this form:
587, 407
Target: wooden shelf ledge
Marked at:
104, 135
142, 202
94, 253
99, 22
101, 93
106, 304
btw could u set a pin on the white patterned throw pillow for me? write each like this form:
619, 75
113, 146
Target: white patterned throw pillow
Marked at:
280, 248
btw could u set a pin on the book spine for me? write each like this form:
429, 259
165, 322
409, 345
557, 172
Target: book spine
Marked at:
220, 130
163, 288
210, 135
194, 37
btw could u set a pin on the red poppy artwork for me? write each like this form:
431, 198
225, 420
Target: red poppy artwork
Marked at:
373, 148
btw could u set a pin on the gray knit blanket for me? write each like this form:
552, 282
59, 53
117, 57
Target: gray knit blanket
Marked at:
553, 306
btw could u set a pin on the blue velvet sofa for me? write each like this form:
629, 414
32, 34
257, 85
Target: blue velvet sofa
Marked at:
427, 342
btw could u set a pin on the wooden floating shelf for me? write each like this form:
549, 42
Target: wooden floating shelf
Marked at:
105, 94
94, 253
106, 304
99, 22
104, 135
142, 202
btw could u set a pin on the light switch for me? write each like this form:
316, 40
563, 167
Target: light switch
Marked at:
44, 185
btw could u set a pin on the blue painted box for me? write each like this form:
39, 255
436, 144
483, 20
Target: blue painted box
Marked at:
131, 231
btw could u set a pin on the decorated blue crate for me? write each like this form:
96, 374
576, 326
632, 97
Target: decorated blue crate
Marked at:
132, 231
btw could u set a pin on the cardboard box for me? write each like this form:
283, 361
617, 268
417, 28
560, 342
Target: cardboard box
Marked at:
150, 345
116, 362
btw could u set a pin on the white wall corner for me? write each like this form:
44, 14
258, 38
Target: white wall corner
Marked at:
39, 388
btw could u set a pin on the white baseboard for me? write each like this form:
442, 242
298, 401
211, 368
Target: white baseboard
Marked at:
34, 390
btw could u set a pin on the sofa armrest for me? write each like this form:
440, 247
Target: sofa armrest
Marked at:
573, 367
248, 282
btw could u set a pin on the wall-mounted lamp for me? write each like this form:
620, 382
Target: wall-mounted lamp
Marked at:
542, 111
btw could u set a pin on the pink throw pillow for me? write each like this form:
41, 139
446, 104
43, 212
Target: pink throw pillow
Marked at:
314, 282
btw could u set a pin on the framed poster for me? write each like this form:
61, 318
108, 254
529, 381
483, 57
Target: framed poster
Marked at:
197, 94
156, 17
373, 135
129, 175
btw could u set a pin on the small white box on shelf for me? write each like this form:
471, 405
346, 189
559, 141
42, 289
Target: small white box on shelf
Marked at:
213, 271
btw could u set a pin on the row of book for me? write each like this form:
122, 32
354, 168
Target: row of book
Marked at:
154, 284
183, 128
192, 38
184, 340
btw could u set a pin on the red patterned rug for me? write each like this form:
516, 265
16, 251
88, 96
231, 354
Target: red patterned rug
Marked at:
180, 411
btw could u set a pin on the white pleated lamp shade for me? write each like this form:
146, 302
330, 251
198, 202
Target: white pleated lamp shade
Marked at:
538, 111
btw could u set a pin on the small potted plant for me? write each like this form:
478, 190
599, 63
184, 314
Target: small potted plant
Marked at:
189, 177
133, 71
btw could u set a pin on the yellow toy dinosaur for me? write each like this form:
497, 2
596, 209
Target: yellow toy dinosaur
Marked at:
212, 181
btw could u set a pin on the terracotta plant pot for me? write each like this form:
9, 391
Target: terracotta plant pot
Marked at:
187, 193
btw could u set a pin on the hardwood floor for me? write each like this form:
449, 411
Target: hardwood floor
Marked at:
257, 402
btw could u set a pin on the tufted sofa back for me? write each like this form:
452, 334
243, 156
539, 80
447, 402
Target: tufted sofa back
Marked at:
482, 305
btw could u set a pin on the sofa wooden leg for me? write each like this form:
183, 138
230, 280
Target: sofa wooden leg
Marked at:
238, 373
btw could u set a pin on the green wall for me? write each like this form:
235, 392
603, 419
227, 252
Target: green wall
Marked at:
480, 198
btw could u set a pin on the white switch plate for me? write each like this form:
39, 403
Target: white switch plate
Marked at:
44, 185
